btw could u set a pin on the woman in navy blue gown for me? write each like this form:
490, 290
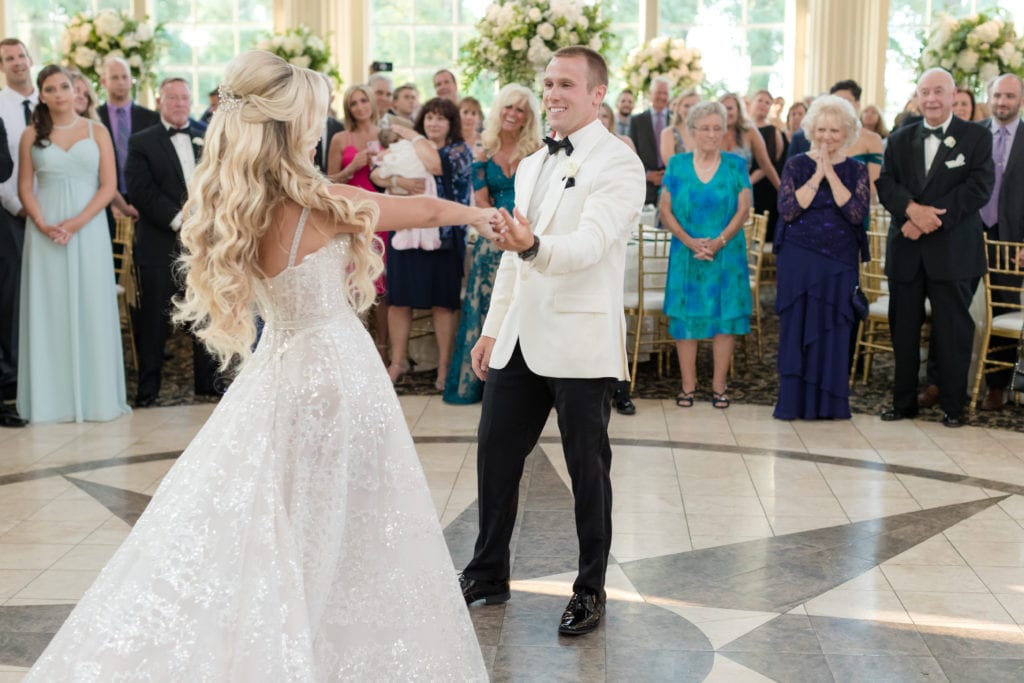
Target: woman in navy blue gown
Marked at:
823, 200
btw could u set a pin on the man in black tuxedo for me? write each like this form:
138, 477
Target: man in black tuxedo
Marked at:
937, 174
645, 131
122, 117
8, 416
332, 128
1003, 215
161, 160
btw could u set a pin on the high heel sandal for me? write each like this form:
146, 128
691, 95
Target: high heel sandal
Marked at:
396, 370
719, 399
684, 399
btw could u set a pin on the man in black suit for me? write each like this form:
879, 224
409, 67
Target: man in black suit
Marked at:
8, 416
122, 117
1003, 215
936, 176
645, 130
332, 128
161, 160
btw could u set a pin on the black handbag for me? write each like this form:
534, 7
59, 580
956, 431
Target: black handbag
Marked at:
1017, 383
859, 302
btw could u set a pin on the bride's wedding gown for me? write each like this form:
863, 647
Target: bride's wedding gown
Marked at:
295, 539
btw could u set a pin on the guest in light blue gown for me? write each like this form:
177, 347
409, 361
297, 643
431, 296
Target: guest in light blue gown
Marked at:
511, 133
71, 366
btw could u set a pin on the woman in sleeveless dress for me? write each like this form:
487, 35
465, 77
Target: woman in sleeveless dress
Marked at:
71, 366
511, 133
295, 538
742, 138
676, 139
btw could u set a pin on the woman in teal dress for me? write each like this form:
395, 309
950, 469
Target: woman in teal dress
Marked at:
704, 202
511, 133
71, 366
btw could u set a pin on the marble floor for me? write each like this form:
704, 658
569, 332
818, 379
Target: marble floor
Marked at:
745, 549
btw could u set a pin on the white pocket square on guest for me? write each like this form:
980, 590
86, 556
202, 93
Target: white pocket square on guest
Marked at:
956, 163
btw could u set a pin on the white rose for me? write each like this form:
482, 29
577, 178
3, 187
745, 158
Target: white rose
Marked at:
988, 72
144, 32
519, 43
1006, 52
574, 38
108, 23
534, 14
559, 8
989, 31
506, 15
546, 31
114, 54
276, 42
135, 61
582, 23
492, 13
1015, 60
81, 33
84, 57
967, 60
65, 42
129, 42
294, 45
595, 43
315, 43
301, 61
946, 63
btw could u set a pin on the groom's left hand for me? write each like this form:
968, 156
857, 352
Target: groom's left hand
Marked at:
514, 232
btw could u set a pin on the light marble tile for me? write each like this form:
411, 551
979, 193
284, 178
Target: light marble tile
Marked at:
956, 610
859, 508
13, 580
1002, 580
939, 579
73, 511
880, 605
936, 551
47, 488
723, 505
30, 555
803, 506
988, 529
54, 584
1014, 604
738, 485
782, 524
628, 547
719, 539
18, 509
653, 523
985, 553
709, 525
85, 557
725, 670
872, 580
709, 464
111, 532
49, 532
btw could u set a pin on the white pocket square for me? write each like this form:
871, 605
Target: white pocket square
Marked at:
956, 163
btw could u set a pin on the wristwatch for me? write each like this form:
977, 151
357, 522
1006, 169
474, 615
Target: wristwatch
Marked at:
531, 253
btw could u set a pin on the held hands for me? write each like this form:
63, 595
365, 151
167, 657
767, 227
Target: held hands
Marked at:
514, 234
486, 223
704, 249
54, 233
926, 219
481, 356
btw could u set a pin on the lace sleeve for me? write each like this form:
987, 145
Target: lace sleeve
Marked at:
856, 209
480, 174
792, 178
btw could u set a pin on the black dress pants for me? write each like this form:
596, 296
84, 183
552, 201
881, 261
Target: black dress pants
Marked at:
12, 241
516, 405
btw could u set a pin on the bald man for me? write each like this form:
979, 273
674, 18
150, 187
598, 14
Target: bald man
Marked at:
936, 176
121, 115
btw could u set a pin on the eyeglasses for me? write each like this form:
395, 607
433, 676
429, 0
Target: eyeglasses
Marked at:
717, 130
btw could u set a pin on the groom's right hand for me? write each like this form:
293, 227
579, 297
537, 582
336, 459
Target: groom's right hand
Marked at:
481, 356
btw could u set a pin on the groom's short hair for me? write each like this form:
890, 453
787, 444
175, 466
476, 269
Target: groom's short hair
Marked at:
597, 68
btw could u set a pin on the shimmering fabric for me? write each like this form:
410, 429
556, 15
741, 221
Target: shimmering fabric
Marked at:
424, 279
71, 367
705, 298
295, 539
817, 250
461, 385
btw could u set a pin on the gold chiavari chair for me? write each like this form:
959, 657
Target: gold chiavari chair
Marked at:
1002, 331
648, 300
124, 277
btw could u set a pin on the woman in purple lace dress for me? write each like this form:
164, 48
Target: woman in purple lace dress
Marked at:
823, 200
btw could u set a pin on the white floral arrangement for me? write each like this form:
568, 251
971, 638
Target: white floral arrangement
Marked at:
663, 56
975, 49
303, 48
90, 38
516, 38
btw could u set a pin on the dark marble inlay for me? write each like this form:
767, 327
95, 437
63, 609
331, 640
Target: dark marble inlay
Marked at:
885, 669
127, 505
532, 663
43, 473
987, 670
25, 631
777, 574
859, 637
782, 666
785, 634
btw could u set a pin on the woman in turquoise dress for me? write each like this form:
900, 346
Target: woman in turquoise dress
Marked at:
511, 133
704, 203
71, 366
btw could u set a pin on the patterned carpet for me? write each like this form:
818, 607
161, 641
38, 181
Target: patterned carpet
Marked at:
753, 381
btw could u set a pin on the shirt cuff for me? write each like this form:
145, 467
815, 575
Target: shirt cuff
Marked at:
176, 222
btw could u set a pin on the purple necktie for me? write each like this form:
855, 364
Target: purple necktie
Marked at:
990, 212
121, 145
659, 125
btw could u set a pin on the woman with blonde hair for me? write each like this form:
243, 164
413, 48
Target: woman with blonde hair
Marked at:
86, 100
676, 139
742, 138
511, 133
276, 547
606, 115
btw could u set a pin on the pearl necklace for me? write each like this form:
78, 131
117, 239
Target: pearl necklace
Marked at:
67, 125
705, 169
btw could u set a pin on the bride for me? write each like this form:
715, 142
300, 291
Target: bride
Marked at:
295, 538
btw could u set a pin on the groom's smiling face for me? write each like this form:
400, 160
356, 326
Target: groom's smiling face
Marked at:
568, 99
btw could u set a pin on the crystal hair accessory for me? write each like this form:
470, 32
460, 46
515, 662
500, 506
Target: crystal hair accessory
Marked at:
227, 100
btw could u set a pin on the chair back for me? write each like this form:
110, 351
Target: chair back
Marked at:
1005, 274
124, 261
873, 281
653, 249
756, 233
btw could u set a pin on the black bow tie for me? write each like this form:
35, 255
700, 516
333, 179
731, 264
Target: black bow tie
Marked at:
555, 145
937, 132
175, 131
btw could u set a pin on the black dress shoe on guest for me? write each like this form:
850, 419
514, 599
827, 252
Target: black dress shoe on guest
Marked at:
491, 592
9, 418
145, 401
582, 614
892, 413
624, 406
952, 421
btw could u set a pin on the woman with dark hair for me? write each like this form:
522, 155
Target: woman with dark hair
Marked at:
964, 106
71, 368
794, 117
418, 278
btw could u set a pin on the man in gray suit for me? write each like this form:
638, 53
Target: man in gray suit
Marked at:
1003, 215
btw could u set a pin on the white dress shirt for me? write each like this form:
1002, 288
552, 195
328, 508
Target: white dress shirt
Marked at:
186, 155
931, 143
13, 114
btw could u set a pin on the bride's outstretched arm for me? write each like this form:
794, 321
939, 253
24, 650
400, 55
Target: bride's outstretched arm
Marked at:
398, 213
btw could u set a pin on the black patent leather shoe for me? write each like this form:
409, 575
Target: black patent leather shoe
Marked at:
624, 406
10, 418
491, 592
145, 401
952, 421
582, 614
892, 413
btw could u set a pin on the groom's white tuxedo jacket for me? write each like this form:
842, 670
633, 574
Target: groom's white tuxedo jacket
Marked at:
565, 306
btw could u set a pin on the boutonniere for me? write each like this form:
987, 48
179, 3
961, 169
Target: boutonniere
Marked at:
569, 171
198, 141
949, 141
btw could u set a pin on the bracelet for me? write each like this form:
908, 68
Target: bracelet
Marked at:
810, 185
721, 238
530, 253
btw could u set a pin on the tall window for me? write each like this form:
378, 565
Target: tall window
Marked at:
421, 36
204, 36
910, 21
40, 23
741, 41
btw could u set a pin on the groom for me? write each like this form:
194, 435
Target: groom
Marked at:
555, 333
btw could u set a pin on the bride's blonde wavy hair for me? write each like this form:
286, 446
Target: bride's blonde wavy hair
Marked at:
256, 157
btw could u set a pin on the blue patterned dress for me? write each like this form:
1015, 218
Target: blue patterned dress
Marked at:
424, 279
462, 386
705, 298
